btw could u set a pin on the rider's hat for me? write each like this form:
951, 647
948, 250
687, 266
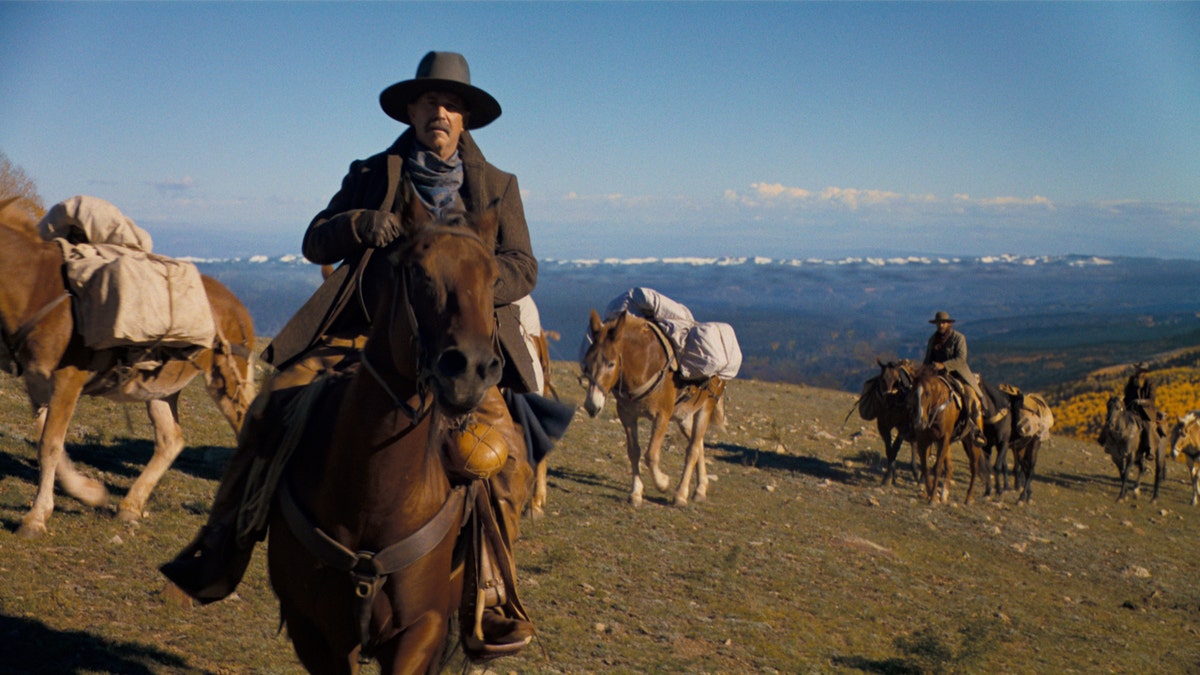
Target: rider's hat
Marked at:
941, 317
441, 71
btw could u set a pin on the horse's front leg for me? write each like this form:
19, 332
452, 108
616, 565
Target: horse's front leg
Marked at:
629, 421
889, 452
927, 476
660, 422
1194, 470
694, 460
537, 505
978, 465
168, 443
67, 384
1160, 464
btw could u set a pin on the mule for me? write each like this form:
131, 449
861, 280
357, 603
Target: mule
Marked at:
1031, 424
883, 400
49, 355
631, 359
939, 420
997, 440
381, 580
1185, 440
1129, 440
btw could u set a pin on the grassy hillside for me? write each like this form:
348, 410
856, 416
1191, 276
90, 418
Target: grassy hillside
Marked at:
799, 562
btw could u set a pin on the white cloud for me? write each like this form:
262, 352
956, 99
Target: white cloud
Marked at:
173, 184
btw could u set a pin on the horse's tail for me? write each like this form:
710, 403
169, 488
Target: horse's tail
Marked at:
718, 416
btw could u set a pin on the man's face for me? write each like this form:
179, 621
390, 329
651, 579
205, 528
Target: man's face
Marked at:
943, 326
437, 119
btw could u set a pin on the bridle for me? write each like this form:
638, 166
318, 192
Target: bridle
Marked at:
403, 284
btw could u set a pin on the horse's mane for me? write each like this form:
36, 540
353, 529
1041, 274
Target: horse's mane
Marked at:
18, 220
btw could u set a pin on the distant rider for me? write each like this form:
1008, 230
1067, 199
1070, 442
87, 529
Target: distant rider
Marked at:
1139, 397
947, 350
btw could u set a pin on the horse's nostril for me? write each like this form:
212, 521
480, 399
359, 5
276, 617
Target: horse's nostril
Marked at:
452, 363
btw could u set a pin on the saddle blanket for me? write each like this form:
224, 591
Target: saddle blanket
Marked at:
703, 349
125, 295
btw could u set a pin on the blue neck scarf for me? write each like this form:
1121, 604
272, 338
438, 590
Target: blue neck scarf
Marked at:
437, 181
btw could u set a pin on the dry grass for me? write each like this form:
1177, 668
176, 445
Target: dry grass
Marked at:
799, 562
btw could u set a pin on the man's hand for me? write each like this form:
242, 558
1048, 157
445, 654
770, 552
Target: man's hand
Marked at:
376, 228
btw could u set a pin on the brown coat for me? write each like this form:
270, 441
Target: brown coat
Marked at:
380, 182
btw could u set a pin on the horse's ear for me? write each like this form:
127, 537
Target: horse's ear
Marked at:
879, 362
620, 324
487, 225
594, 322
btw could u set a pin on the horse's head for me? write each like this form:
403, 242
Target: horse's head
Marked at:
1185, 433
929, 397
601, 364
895, 377
446, 278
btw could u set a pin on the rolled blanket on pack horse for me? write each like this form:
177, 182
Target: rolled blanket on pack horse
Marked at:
702, 349
126, 296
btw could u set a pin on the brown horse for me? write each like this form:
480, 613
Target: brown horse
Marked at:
46, 350
361, 544
1129, 439
938, 420
1185, 440
883, 399
631, 359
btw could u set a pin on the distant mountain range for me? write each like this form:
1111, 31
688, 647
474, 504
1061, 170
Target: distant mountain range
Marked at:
1033, 321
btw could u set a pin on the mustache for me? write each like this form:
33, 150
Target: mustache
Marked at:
438, 125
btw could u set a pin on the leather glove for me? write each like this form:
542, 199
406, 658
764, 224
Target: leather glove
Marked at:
376, 228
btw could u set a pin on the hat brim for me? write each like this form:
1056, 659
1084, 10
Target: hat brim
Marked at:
483, 108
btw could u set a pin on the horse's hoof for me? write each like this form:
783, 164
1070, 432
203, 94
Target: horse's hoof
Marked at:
636, 501
128, 516
681, 503
32, 530
700, 497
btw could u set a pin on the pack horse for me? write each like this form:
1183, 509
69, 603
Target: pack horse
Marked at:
43, 347
630, 358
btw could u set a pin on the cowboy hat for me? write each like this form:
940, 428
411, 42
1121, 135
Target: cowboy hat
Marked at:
441, 71
941, 317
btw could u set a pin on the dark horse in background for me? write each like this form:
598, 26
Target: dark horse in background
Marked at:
938, 420
44, 348
1130, 440
884, 400
629, 357
368, 482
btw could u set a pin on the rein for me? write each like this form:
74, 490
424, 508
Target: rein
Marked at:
17, 340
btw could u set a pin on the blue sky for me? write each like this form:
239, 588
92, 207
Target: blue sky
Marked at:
637, 129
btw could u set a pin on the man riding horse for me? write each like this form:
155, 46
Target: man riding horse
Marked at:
1139, 397
437, 162
947, 350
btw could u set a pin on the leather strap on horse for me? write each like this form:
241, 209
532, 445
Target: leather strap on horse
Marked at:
670, 366
369, 571
17, 341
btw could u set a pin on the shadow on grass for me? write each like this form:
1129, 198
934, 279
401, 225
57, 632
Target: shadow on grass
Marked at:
883, 667
127, 457
774, 461
33, 647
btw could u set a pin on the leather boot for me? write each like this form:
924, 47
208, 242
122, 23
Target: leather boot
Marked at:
493, 621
